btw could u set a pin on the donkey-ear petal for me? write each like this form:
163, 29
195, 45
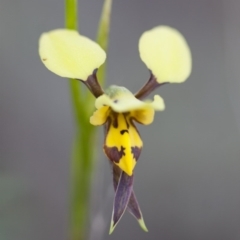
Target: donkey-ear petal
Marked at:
166, 53
69, 54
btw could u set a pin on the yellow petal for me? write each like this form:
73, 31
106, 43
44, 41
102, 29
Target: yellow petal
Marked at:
68, 54
157, 104
144, 116
124, 101
166, 53
123, 143
100, 116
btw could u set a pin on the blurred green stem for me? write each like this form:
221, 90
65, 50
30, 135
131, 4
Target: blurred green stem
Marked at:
81, 164
81, 180
83, 146
103, 36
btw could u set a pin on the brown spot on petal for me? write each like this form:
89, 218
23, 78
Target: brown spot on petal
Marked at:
136, 152
115, 119
124, 131
114, 154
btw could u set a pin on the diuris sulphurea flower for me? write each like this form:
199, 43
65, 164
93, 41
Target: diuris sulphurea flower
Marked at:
166, 54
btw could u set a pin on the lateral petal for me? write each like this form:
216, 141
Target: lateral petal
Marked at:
69, 54
144, 116
100, 116
166, 53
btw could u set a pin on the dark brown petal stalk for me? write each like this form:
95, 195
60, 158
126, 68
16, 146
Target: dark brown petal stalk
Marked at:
93, 85
149, 87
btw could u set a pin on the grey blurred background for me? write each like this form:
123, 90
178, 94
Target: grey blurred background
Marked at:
188, 177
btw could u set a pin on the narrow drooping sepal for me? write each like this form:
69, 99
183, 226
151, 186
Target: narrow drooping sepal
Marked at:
134, 209
133, 206
122, 196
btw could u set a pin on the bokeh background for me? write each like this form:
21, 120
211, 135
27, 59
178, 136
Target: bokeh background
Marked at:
188, 177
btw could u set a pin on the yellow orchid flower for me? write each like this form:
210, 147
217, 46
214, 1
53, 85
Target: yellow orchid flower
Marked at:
166, 54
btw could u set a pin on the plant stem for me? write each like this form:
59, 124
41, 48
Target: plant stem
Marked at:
103, 35
71, 14
81, 181
83, 146
82, 157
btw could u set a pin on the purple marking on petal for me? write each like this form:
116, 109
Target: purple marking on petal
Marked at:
136, 151
122, 196
113, 153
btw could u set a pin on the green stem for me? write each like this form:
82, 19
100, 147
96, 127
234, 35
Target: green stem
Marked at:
71, 14
81, 180
71, 22
103, 38
82, 152
82, 157
103, 35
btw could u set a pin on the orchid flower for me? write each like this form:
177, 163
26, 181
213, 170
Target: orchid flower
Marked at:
166, 54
